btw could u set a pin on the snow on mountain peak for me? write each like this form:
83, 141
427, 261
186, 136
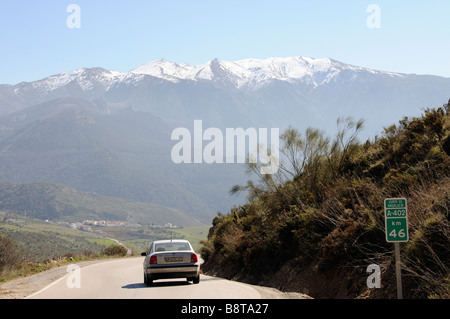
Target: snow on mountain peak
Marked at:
251, 72
164, 69
247, 73
86, 78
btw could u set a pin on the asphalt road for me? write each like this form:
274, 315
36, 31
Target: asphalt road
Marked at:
123, 279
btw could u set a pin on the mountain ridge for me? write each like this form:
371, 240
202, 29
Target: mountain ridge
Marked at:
243, 73
312, 90
254, 72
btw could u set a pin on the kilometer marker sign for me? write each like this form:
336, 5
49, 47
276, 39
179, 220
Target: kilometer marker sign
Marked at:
396, 220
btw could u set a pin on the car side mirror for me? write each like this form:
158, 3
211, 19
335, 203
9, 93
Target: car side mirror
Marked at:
144, 254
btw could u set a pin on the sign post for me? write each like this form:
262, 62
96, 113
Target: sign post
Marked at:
396, 224
398, 271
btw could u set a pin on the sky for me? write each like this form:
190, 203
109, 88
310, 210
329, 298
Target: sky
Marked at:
42, 38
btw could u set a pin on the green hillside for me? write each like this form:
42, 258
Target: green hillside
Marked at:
38, 240
58, 202
317, 225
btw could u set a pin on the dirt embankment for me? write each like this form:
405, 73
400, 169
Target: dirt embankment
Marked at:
349, 283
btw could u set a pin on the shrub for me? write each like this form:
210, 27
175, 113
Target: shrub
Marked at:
10, 254
115, 250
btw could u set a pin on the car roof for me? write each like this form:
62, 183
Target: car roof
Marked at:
170, 241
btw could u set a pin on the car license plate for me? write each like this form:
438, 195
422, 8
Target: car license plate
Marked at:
173, 259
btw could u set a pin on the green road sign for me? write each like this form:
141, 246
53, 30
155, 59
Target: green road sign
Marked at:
396, 219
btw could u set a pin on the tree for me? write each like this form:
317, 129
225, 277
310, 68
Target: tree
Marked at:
345, 142
310, 160
10, 254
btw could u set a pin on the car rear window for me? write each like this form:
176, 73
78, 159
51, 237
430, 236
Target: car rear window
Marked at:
172, 247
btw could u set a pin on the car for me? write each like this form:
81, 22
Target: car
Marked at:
171, 258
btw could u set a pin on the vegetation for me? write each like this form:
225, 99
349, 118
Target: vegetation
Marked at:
59, 202
38, 240
9, 271
318, 223
29, 246
16, 264
9, 252
195, 235
115, 250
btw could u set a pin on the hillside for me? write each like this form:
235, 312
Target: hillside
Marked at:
31, 240
58, 202
122, 153
35, 241
318, 227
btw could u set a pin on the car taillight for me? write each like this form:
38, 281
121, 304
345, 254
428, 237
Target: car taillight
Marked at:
194, 258
153, 260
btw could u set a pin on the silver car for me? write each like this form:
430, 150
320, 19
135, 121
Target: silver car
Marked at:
171, 259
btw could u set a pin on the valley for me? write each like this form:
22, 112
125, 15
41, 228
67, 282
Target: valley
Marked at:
40, 240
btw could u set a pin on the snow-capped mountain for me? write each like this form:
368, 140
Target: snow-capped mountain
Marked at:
87, 79
251, 92
252, 73
244, 74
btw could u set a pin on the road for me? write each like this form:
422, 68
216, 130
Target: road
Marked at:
123, 279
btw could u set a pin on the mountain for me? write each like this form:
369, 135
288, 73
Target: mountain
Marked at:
109, 132
253, 73
274, 92
249, 74
124, 153
60, 202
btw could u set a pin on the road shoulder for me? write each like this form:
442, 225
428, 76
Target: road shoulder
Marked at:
23, 287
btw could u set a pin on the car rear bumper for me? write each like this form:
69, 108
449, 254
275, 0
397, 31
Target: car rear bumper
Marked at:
173, 271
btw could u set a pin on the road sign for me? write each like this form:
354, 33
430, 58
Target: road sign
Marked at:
396, 220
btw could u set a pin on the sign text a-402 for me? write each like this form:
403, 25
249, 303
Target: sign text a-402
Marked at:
395, 212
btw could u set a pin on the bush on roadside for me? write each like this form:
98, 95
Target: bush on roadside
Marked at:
10, 253
115, 250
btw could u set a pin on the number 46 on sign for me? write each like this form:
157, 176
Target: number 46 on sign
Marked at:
396, 219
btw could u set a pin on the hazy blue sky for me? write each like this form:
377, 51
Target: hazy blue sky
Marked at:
414, 36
